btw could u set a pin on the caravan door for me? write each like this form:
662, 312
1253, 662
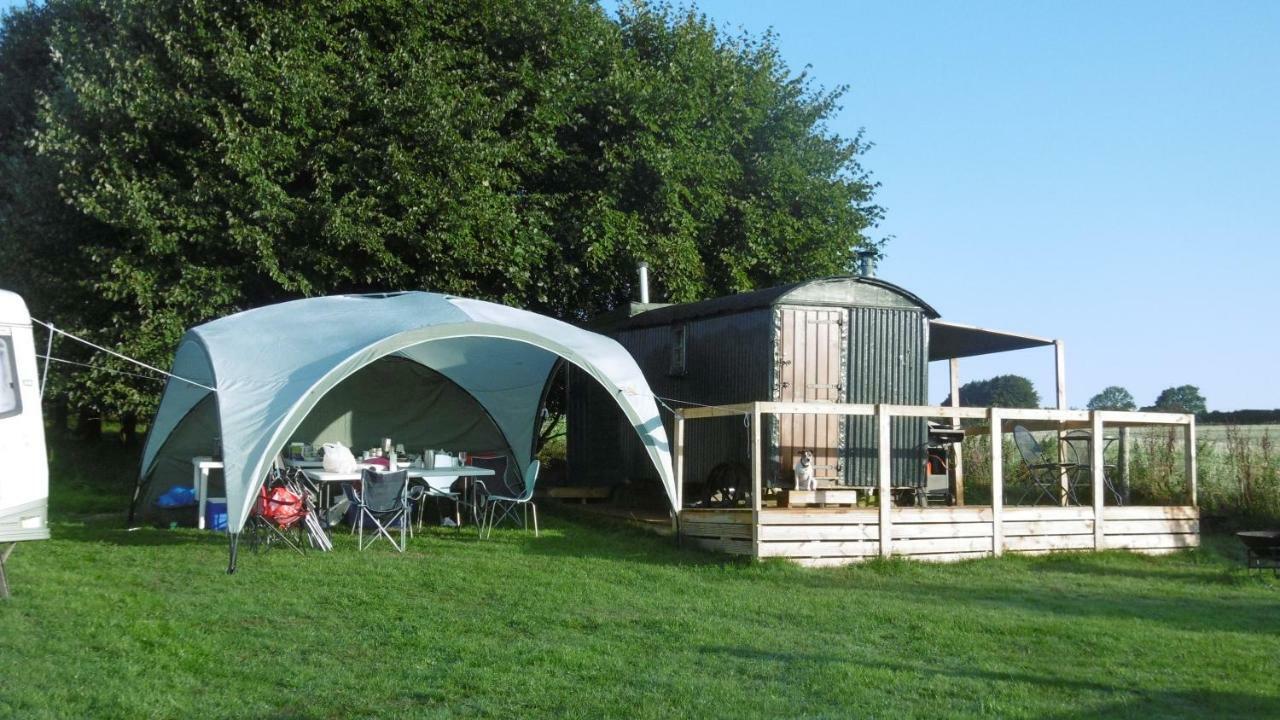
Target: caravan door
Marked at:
24, 469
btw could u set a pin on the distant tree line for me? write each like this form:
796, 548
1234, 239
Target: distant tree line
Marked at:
1016, 391
1240, 417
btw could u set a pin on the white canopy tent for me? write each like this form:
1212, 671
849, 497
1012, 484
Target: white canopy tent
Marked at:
431, 369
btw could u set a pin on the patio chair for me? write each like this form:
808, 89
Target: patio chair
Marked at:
382, 502
1045, 475
506, 503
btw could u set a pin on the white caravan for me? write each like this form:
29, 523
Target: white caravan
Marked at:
24, 468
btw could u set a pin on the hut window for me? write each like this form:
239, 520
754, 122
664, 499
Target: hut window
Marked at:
679, 338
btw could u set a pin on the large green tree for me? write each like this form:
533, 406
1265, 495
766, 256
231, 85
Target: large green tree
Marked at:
163, 163
1008, 391
1180, 399
1113, 397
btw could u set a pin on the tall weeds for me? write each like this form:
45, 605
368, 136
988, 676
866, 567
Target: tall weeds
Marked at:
1237, 471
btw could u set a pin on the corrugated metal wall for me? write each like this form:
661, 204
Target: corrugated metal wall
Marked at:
727, 360
734, 358
888, 363
593, 444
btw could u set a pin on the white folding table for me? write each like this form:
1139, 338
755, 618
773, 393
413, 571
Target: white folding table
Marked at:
200, 467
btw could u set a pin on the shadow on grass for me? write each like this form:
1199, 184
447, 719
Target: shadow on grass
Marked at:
115, 533
1111, 603
1121, 700
589, 536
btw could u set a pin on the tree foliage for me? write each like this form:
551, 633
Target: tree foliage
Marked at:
1008, 391
162, 164
1180, 399
1113, 398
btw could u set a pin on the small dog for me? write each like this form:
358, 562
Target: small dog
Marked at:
805, 479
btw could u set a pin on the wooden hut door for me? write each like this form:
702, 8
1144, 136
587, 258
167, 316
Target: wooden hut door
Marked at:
811, 357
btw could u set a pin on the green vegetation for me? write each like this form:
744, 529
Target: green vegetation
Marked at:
165, 164
598, 621
1113, 398
1180, 399
1237, 468
1011, 391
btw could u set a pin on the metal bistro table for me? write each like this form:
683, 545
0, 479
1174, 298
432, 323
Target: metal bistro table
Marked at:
1080, 445
443, 476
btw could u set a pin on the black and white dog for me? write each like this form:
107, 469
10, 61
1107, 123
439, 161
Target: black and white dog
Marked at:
805, 479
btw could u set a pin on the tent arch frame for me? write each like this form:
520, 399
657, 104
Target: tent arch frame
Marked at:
402, 341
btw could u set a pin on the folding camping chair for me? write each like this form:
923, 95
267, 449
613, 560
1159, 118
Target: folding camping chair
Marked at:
503, 504
280, 512
383, 500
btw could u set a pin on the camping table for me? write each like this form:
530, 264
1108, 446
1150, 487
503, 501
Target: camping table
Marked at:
200, 467
443, 476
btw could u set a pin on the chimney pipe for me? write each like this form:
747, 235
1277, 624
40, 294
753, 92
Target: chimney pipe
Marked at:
644, 283
867, 263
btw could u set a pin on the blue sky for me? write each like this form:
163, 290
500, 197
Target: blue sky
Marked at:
1103, 173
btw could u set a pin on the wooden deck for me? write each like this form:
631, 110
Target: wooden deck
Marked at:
839, 536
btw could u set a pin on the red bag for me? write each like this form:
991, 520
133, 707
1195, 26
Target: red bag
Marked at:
282, 507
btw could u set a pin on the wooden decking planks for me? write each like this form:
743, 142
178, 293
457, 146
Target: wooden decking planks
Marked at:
832, 536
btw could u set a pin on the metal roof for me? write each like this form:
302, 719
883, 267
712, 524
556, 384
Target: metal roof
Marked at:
948, 340
840, 291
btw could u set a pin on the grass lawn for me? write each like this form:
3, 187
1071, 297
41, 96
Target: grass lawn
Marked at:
596, 621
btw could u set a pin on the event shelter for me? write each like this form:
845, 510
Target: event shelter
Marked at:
429, 370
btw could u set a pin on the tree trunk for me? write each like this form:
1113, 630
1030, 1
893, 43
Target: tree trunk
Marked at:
129, 429
61, 413
89, 423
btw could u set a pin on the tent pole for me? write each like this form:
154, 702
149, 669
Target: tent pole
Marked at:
235, 542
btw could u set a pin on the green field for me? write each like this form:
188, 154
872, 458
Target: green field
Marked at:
597, 621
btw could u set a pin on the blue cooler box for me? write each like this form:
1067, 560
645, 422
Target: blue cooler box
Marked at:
215, 515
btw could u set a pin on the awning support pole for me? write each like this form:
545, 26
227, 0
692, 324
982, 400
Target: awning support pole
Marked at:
1060, 384
957, 449
235, 542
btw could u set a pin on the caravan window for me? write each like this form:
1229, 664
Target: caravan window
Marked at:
10, 400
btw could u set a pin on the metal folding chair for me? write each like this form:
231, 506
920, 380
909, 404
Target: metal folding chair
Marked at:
278, 516
1045, 475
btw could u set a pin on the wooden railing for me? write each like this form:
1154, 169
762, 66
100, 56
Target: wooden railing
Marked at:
1061, 420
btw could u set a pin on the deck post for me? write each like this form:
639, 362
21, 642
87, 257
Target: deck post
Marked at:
1060, 385
1189, 435
757, 475
883, 472
997, 481
957, 449
1124, 460
1097, 466
678, 447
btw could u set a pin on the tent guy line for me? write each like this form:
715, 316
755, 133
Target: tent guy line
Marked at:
96, 367
109, 351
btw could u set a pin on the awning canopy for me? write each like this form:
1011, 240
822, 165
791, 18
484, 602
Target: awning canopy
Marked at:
948, 340
434, 371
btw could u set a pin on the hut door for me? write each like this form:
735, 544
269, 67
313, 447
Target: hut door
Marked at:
811, 357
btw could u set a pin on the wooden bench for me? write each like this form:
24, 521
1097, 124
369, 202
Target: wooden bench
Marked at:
818, 498
581, 494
